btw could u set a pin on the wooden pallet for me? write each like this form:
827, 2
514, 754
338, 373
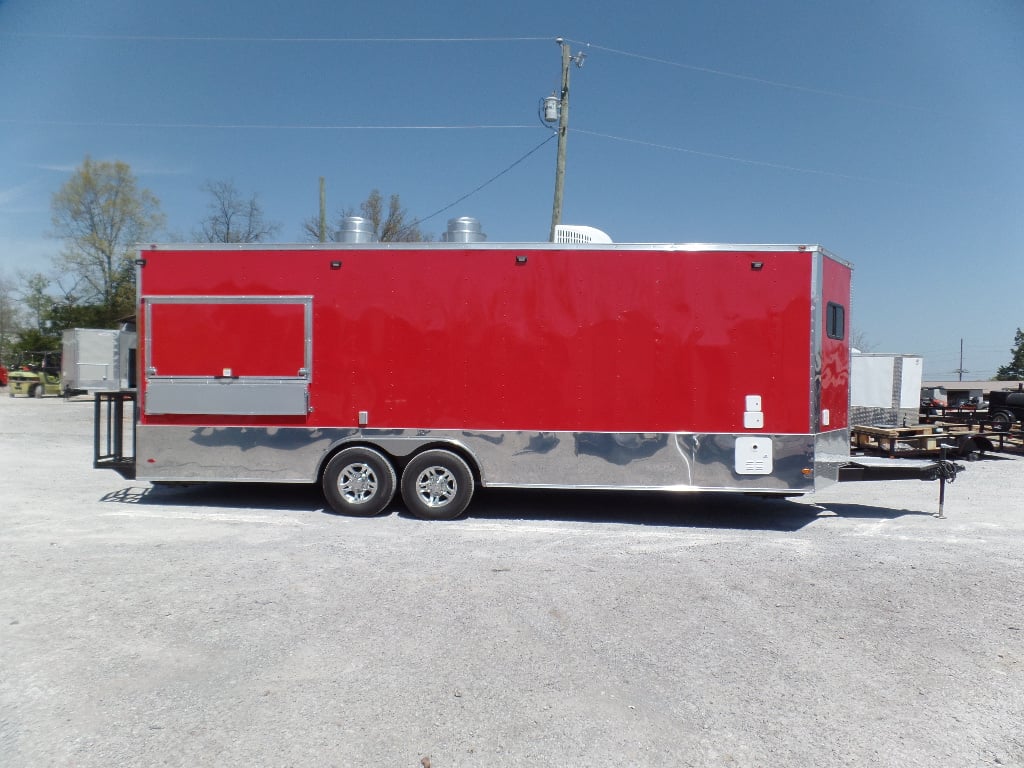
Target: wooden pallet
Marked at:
924, 439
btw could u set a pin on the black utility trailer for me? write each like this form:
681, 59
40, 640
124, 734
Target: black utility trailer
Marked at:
1005, 408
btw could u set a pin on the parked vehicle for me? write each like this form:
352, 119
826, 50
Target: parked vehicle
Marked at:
933, 400
35, 375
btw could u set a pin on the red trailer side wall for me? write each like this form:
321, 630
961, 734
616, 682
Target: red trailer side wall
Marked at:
835, 352
616, 340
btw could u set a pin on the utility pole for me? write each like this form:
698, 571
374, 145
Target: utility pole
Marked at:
322, 222
563, 131
961, 370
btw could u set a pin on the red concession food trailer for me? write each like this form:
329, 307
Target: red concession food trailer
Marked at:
428, 369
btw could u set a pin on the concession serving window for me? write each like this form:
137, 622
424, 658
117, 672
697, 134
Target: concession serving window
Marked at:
231, 355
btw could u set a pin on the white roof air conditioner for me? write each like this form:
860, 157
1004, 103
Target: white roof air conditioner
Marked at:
565, 233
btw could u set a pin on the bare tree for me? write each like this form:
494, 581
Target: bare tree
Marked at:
101, 214
232, 219
316, 231
860, 341
390, 225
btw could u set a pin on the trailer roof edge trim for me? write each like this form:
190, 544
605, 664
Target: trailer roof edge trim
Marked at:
487, 246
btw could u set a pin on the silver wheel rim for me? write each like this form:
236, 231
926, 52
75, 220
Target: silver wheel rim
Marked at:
358, 483
436, 487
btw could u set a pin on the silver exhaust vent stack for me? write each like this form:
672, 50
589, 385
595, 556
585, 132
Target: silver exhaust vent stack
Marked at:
464, 229
356, 229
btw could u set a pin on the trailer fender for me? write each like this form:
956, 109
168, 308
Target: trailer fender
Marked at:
984, 444
968, 445
965, 446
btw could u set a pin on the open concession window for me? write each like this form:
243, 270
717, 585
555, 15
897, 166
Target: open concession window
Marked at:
231, 355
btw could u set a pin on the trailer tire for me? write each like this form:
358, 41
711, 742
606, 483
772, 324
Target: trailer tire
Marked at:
359, 481
1001, 421
437, 485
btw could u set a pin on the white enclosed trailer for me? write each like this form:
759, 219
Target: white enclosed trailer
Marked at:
97, 360
885, 389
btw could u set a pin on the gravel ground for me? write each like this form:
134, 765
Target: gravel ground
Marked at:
243, 625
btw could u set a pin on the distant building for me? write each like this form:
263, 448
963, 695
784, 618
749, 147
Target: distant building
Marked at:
960, 393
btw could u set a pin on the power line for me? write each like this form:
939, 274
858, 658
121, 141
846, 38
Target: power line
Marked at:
337, 127
439, 128
750, 161
486, 183
758, 80
259, 126
427, 40
234, 39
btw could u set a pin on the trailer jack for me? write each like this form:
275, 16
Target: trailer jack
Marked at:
863, 468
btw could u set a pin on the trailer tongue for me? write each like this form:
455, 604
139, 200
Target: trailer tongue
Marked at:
862, 468
427, 370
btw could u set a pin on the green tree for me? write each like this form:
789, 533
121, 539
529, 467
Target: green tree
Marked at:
1014, 370
31, 340
36, 332
37, 299
101, 214
232, 219
390, 223
9, 312
69, 310
64, 315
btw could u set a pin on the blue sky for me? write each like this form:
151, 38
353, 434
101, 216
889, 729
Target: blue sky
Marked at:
888, 131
